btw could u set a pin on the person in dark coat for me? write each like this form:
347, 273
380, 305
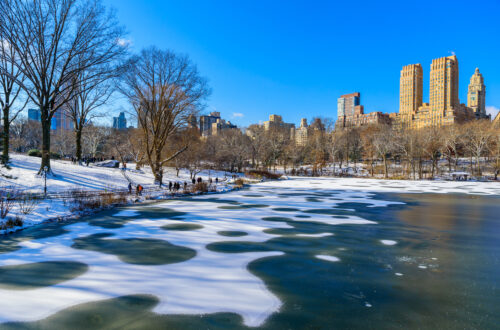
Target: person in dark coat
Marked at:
129, 188
185, 185
216, 180
193, 180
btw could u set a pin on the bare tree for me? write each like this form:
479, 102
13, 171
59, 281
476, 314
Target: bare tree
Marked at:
89, 96
26, 134
452, 137
164, 89
54, 41
93, 138
369, 152
383, 144
408, 143
477, 138
10, 90
432, 146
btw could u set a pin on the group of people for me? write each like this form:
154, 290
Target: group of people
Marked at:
176, 186
86, 160
172, 186
138, 189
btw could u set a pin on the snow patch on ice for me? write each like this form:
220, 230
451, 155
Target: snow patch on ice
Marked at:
315, 235
327, 258
388, 242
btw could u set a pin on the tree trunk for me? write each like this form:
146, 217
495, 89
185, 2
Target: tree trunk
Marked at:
78, 140
6, 135
45, 143
385, 166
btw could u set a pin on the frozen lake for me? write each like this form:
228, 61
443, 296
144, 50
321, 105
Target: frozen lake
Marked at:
300, 253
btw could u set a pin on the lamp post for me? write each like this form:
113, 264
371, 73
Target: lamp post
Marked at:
45, 170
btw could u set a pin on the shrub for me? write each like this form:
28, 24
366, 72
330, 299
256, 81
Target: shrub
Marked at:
11, 223
18, 221
38, 153
86, 200
262, 174
55, 155
6, 201
35, 153
239, 182
200, 187
27, 203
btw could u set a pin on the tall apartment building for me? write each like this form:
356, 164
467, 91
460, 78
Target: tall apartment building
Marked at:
444, 106
302, 133
213, 124
276, 121
410, 90
59, 121
207, 121
352, 114
476, 96
120, 122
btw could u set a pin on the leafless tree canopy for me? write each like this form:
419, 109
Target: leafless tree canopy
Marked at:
10, 90
164, 88
54, 41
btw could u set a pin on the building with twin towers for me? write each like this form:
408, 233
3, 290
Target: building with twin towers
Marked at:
444, 106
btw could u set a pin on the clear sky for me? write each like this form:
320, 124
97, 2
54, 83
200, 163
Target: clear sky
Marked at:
295, 58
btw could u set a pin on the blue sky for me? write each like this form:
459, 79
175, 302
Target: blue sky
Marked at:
295, 58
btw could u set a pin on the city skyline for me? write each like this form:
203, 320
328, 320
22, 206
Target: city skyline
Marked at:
263, 58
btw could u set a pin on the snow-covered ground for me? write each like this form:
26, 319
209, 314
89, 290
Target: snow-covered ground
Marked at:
22, 176
402, 186
68, 176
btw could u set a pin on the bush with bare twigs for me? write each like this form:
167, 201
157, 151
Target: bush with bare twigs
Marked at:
27, 203
262, 174
11, 223
6, 202
239, 183
201, 187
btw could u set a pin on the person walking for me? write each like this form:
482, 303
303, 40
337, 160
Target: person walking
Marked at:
185, 185
193, 181
129, 188
216, 180
170, 185
140, 188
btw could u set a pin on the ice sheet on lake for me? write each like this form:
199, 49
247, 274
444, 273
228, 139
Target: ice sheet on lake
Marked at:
210, 282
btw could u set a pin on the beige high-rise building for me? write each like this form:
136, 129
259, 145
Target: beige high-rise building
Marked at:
410, 89
476, 96
444, 105
301, 133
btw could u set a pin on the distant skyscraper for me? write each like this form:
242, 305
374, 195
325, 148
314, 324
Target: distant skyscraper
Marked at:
120, 122
61, 120
476, 97
444, 85
34, 114
347, 103
352, 114
207, 121
410, 89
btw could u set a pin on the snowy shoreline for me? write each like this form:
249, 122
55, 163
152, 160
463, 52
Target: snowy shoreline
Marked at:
71, 177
